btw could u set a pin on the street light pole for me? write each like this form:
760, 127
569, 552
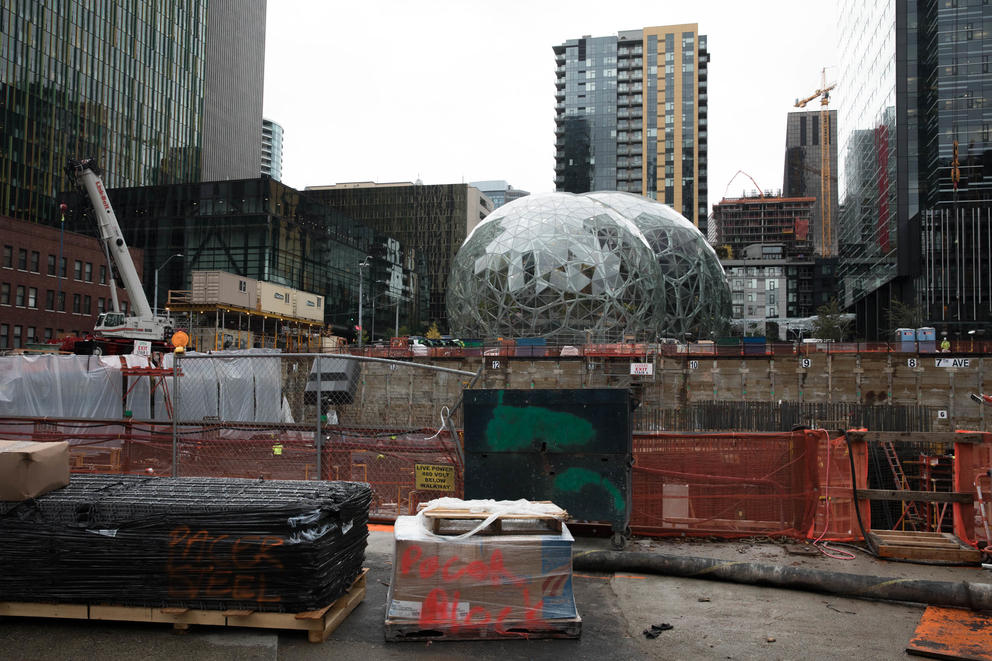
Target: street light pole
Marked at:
155, 305
361, 278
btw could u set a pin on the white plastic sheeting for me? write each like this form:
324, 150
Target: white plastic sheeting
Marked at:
226, 386
58, 386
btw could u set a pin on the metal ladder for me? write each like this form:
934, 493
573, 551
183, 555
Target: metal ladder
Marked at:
910, 513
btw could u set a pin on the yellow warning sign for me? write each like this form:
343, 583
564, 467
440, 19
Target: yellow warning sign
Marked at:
432, 477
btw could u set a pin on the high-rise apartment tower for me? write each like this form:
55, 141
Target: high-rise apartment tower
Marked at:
272, 149
631, 116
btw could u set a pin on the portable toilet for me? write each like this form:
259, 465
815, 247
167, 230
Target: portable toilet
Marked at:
927, 339
906, 340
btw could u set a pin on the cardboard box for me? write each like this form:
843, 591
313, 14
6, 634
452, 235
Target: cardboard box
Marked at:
490, 582
29, 469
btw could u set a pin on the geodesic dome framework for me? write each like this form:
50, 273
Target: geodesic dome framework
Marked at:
572, 268
698, 296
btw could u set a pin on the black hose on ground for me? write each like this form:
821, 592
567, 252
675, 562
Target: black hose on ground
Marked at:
975, 596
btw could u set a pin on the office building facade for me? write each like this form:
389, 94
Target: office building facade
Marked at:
631, 115
499, 191
141, 88
804, 172
272, 149
914, 117
432, 220
262, 229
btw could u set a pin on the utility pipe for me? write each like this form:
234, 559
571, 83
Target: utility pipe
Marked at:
963, 594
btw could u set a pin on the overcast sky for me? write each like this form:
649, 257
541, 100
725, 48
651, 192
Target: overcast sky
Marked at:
464, 90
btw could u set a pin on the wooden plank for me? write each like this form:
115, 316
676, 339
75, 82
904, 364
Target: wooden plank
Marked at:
125, 613
397, 631
319, 624
919, 546
915, 437
338, 613
187, 617
35, 609
916, 496
945, 555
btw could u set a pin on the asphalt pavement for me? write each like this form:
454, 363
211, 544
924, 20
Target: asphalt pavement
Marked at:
709, 619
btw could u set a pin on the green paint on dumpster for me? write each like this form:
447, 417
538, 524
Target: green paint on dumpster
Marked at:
576, 479
520, 427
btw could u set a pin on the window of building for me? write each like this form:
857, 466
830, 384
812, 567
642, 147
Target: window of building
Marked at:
100, 306
48, 334
29, 336
35, 261
103, 274
16, 344
51, 265
124, 307
738, 311
77, 270
739, 283
62, 267
33, 297
771, 312
752, 283
5, 293
61, 301
751, 297
89, 272
50, 299
87, 304
19, 296
771, 285
22, 259
8, 256
770, 299
77, 303
4, 336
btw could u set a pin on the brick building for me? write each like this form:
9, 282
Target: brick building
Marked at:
52, 283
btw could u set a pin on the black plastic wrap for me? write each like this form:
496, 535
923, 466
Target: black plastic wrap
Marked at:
273, 545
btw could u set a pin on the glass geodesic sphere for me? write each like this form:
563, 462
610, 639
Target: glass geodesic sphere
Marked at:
698, 294
560, 266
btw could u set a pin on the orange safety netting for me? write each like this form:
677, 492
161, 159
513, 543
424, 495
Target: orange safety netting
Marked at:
726, 485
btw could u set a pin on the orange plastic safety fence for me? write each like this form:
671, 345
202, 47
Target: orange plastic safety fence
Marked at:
725, 485
836, 518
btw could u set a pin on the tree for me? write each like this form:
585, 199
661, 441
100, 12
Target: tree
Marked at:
433, 333
901, 315
772, 330
830, 322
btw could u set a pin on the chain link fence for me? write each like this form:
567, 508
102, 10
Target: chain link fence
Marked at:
274, 415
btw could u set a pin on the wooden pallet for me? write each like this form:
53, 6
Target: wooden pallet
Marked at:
405, 631
912, 545
541, 523
318, 624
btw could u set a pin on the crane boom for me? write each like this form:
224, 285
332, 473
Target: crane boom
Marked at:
110, 233
114, 330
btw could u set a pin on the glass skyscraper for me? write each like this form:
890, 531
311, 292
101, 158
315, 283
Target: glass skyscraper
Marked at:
129, 83
913, 89
632, 116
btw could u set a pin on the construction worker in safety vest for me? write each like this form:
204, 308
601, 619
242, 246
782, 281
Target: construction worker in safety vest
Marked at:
945, 345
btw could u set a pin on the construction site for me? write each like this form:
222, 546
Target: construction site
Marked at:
642, 449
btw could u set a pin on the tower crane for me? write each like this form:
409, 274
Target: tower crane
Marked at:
826, 189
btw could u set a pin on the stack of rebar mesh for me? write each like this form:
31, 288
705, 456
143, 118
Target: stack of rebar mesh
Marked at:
212, 543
